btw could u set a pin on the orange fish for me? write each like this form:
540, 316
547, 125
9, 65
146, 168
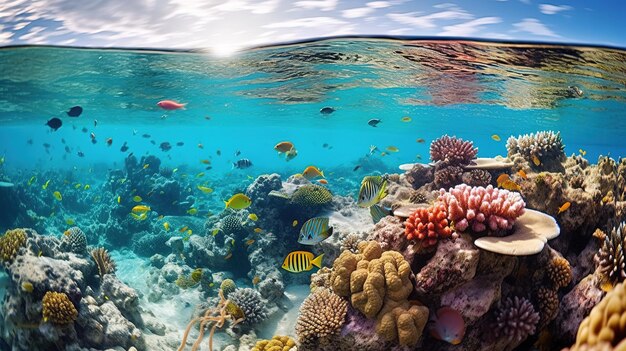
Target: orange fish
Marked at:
502, 178
256, 280
183, 229
249, 242
564, 207
284, 146
449, 326
510, 185
206, 162
322, 181
536, 160
170, 105
522, 174
258, 230
230, 254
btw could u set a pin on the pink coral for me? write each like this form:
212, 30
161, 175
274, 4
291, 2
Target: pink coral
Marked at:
452, 150
428, 225
481, 208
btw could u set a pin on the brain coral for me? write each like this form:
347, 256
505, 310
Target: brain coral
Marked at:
11, 242
544, 145
605, 324
75, 240
250, 302
311, 195
428, 225
322, 314
452, 150
278, 343
58, 309
516, 319
610, 258
482, 209
403, 322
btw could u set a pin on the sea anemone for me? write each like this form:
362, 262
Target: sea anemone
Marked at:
452, 150
322, 314
251, 303
516, 319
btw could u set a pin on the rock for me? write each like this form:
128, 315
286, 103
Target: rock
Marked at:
574, 307
474, 298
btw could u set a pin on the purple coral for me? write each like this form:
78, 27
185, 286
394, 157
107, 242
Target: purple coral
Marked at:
419, 175
477, 177
446, 177
516, 319
452, 150
481, 208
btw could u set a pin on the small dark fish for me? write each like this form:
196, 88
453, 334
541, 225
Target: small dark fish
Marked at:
152, 142
374, 122
62, 140
325, 145
180, 143
80, 154
84, 130
95, 122
29, 141
75, 111
218, 152
356, 168
73, 127
208, 168
54, 123
165, 146
93, 141
327, 110
237, 153
109, 141
124, 147
146, 136
46, 145
242, 164
129, 155
67, 149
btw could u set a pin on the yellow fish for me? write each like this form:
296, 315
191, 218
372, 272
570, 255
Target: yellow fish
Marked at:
215, 231
140, 217
146, 165
189, 232
166, 226
253, 216
250, 177
249, 242
238, 201
312, 172
406, 119
160, 217
564, 207
256, 230
69, 221
301, 261
205, 189
510, 185
45, 186
31, 180
77, 186
119, 199
141, 209
392, 148
183, 229
582, 152
200, 175
87, 187
502, 178
536, 160
294, 223
28, 287
495, 137
137, 198
57, 195
256, 280
192, 211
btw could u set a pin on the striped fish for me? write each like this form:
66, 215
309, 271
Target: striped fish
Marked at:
314, 231
373, 189
378, 213
301, 261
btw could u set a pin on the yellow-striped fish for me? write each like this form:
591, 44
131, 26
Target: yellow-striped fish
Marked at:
373, 189
378, 212
141, 209
301, 261
315, 230
31, 180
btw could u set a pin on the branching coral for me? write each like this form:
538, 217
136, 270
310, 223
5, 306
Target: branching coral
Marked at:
75, 240
559, 272
516, 319
452, 150
11, 242
482, 209
58, 309
543, 145
103, 260
606, 323
278, 343
311, 195
350, 242
320, 279
217, 317
610, 258
251, 303
428, 225
448, 176
322, 314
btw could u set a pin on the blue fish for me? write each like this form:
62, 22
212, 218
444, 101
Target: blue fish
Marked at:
315, 230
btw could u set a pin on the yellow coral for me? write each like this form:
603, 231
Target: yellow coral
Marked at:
402, 322
227, 287
606, 324
559, 272
322, 314
277, 343
311, 195
11, 242
58, 309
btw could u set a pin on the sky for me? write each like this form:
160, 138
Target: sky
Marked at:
224, 26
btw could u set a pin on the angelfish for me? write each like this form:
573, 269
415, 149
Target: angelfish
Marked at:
315, 230
448, 326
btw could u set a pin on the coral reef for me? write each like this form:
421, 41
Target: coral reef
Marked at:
228, 286
477, 177
516, 319
448, 176
559, 272
277, 343
322, 314
403, 322
544, 145
610, 258
57, 308
11, 242
419, 175
103, 261
452, 150
75, 240
251, 304
311, 195
428, 225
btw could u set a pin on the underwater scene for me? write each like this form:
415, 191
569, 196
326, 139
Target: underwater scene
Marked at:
338, 194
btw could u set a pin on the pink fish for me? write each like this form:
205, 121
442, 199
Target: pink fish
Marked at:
170, 105
448, 326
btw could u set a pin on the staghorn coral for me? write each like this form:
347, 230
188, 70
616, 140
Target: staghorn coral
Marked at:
482, 209
228, 286
544, 145
277, 343
403, 322
452, 150
477, 177
251, 303
103, 260
322, 315
516, 319
58, 309
548, 303
605, 323
75, 240
311, 195
559, 272
11, 242
449, 176
428, 225
610, 258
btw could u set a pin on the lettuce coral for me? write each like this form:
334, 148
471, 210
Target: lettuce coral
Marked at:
58, 309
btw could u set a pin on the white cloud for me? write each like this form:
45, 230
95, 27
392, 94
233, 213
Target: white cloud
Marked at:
428, 21
469, 28
324, 5
356, 12
534, 26
548, 9
20, 25
5, 37
310, 22
494, 35
32, 33
399, 31
378, 4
